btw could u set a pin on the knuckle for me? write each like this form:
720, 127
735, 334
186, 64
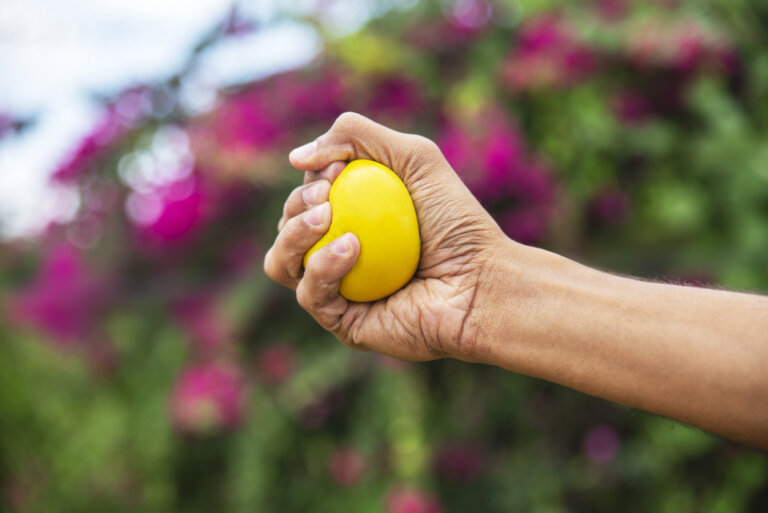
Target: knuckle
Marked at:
292, 230
269, 265
424, 151
349, 121
425, 146
304, 298
293, 197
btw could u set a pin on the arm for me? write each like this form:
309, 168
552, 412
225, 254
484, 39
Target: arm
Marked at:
698, 356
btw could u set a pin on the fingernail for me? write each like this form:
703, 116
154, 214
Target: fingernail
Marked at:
303, 152
316, 193
342, 245
319, 215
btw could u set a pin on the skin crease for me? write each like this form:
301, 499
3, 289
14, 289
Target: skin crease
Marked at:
696, 355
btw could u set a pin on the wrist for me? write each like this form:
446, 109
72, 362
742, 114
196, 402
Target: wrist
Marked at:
526, 306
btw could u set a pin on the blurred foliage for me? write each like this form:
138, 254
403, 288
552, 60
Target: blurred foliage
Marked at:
147, 364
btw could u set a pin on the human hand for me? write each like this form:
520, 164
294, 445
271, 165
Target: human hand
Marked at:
431, 317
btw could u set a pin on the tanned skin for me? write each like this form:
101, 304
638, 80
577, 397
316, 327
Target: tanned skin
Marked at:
696, 355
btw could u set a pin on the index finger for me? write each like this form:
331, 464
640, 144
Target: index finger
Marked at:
351, 137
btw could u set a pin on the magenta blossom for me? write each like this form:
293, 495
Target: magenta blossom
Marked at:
679, 43
173, 214
410, 500
92, 147
491, 160
114, 123
300, 99
208, 398
609, 207
244, 121
486, 157
242, 256
253, 123
459, 463
277, 363
464, 21
612, 10
396, 97
347, 466
267, 113
527, 225
65, 300
470, 15
630, 107
601, 444
548, 55
208, 330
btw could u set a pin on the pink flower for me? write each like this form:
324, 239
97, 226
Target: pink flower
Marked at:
206, 327
547, 55
610, 207
91, 148
410, 500
65, 300
396, 97
254, 123
612, 10
302, 99
630, 107
208, 398
470, 14
601, 444
117, 118
347, 466
485, 158
242, 256
527, 225
267, 113
246, 120
172, 214
459, 463
680, 43
518, 190
463, 23
277, 363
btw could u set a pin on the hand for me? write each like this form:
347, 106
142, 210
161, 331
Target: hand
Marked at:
432, 316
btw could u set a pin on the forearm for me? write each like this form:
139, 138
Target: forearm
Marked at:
696, 355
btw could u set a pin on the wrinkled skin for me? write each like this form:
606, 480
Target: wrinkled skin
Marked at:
433, 315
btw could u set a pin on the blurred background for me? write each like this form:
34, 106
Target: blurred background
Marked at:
147, 364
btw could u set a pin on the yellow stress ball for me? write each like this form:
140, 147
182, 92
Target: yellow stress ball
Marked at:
369, 200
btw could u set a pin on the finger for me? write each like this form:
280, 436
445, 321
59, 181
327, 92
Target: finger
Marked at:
330, 172
353, 136
303, 198
283, 261
318, 290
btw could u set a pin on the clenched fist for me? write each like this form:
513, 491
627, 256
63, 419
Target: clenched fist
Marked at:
432, 316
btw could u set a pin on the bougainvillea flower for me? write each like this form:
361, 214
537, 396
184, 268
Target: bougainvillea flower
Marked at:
65, 299
208, 398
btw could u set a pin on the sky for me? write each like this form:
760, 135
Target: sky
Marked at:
54, 56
